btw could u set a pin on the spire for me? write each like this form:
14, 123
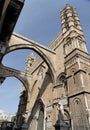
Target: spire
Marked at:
72, 30
69, 18
30, 59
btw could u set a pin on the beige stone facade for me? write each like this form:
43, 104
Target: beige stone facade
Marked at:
58, 94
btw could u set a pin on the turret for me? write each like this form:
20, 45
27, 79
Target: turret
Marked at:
30, 59
72, 30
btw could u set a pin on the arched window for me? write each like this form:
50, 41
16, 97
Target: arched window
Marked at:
67, 119
73, 70
79, 117
40, 125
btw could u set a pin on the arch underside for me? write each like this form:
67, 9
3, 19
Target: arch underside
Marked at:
9, 72
18, 42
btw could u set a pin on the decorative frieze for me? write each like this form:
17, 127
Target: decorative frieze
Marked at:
77, 59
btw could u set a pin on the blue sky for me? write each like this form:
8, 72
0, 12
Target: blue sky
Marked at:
39, 21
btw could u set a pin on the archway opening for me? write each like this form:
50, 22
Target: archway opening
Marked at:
17, 58
40, 125
12, 87
9, 95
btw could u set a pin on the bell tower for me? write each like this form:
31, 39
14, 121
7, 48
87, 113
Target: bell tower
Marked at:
72, 31
77, 66
69, 18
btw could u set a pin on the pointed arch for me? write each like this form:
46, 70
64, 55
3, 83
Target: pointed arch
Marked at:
78, 114
9, 72
61, 77
19, 42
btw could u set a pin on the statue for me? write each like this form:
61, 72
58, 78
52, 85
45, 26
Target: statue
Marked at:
61, 111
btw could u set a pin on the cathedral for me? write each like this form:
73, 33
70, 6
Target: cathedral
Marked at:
58, 95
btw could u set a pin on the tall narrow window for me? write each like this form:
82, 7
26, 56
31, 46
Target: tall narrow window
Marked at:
41, 120
79, 117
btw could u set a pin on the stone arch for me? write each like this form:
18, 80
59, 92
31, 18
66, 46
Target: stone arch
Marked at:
37, 118
40, 114
8, 72
73, 70
18, 42
68, 39
61, 77
21, 79
40, 105
67, 117
40, 124
77, 99
62, 81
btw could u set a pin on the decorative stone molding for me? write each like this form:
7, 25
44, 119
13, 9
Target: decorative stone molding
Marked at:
19, 42
8, 72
